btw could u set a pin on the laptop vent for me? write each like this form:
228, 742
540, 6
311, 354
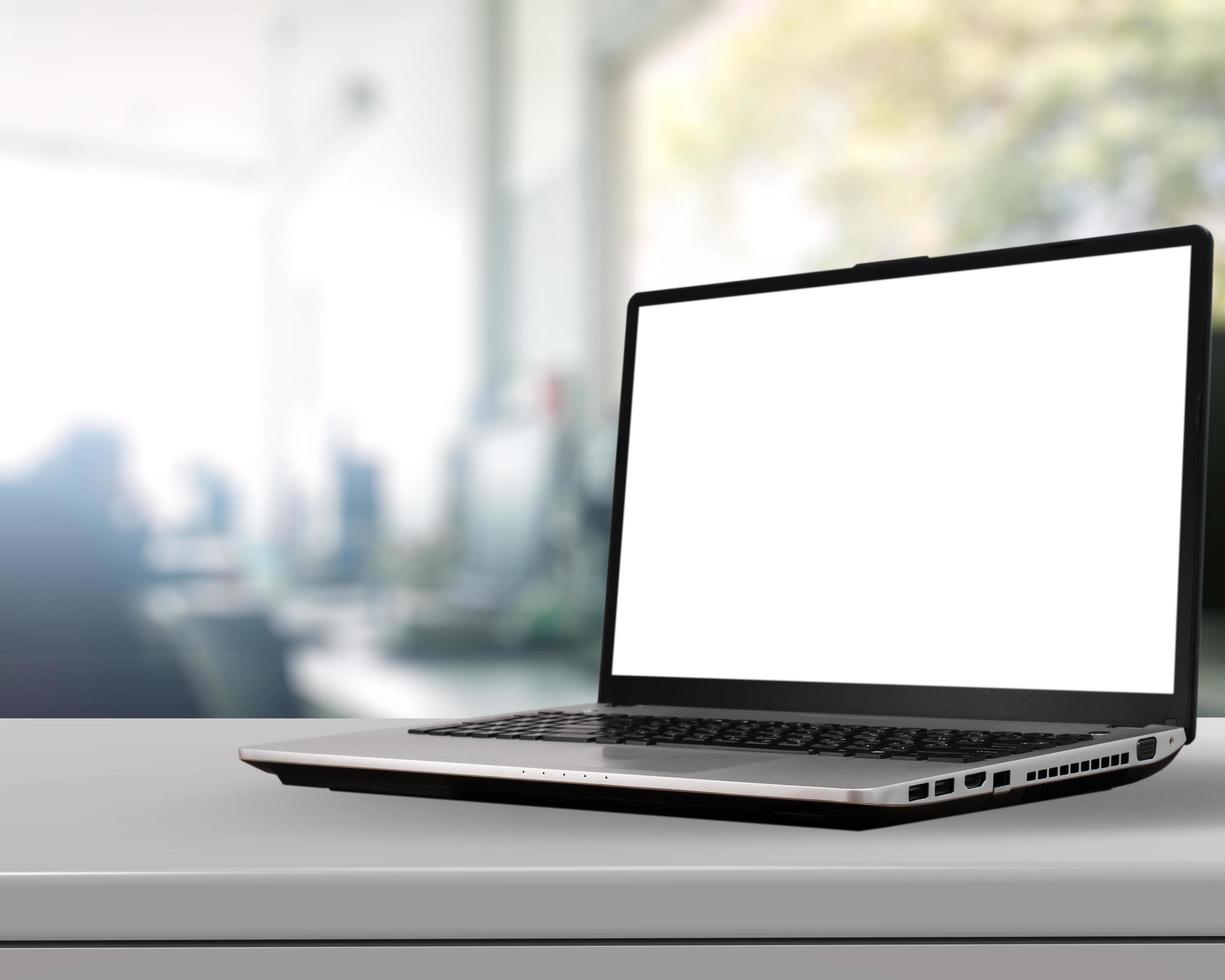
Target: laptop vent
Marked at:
1085, 765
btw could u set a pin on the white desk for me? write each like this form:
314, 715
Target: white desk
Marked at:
118, 832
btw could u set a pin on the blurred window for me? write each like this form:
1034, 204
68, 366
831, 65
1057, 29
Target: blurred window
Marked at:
773, 136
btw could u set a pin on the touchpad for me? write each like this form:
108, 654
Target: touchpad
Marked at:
665, 760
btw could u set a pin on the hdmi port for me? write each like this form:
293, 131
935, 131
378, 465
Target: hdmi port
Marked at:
975, 780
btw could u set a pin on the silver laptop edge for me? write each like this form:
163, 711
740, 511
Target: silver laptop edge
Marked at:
750, 773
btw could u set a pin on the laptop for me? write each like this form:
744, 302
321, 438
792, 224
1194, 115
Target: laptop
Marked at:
888, 542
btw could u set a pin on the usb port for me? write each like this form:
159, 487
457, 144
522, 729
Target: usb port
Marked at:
918, 792
975, 780
944, 787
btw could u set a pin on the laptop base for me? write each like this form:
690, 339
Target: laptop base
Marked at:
839, 816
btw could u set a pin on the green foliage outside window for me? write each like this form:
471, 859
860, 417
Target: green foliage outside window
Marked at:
929, 126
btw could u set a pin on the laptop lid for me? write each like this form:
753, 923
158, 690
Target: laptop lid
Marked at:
968, 486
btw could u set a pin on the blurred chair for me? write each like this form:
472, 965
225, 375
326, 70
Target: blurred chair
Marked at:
505, 486
73, 641
507, 478
232, 655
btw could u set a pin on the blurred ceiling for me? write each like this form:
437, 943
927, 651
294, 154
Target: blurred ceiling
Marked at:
164, 83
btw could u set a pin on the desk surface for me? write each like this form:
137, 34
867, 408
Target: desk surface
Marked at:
153, 830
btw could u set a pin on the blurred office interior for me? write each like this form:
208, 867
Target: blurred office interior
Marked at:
312, 309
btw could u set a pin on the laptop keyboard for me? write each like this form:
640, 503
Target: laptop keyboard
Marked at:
813, 738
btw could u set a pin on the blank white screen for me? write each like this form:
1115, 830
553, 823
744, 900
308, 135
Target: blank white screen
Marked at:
969, 479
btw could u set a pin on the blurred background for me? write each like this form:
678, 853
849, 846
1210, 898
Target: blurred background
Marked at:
312, 310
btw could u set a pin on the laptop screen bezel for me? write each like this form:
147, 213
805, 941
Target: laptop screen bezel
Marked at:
951, 702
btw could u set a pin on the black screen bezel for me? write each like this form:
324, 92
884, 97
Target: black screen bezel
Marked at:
952, 702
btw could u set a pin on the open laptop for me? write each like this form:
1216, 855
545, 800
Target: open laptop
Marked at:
888, 542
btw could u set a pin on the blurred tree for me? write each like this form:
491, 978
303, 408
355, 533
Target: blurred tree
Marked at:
928, 126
